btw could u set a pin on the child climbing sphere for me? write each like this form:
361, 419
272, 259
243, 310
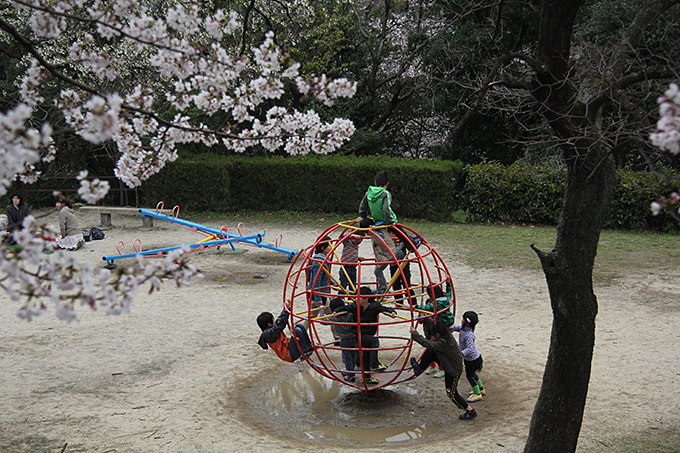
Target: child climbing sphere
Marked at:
471, 356
286, 348
443, 349
377, 204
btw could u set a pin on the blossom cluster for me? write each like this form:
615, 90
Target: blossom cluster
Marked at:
666, 203
31, 271
21, 145
198, 73
667, 134
667, 138
184, 75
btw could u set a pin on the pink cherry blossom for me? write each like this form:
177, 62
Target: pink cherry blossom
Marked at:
196, 71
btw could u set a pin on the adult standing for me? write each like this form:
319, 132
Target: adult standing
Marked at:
71, 234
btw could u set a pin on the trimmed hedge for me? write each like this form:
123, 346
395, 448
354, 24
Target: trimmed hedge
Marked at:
517, 193
423, 189
208, 182
630, 207
191, 185
524, 194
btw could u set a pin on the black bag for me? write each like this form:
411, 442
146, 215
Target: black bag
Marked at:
96, 234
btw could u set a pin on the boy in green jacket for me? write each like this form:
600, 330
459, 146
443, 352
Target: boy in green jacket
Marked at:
377, 203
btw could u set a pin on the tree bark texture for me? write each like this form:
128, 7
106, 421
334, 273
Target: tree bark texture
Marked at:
558, 414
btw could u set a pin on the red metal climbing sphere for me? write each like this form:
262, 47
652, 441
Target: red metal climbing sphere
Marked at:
389, 275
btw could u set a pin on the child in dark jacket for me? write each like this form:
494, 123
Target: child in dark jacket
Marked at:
441, 301
347, 331
366, 311
443, 349
272, 336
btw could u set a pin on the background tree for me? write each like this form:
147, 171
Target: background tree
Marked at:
578, 105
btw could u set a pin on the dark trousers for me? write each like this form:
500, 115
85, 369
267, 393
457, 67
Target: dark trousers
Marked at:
450, 381
349, 358
348, 273
305, 342
404, 278
471, 368
369, 358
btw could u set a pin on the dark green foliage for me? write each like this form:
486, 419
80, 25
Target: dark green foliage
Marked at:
517, 193
334, 184
630, 206
521, 193
192, 185
40, 193
425, 189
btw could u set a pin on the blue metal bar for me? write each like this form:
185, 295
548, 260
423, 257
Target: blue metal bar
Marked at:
291, 253
207, 244
186, 223
149, 213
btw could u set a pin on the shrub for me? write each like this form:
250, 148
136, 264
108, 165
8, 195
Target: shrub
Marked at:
421, 188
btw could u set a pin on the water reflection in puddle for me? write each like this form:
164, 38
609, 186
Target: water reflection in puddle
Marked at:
340, 412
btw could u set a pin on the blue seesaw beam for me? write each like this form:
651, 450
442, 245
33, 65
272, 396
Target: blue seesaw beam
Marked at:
217, 232
161, 251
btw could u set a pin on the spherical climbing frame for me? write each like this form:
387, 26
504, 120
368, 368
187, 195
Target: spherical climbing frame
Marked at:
412, 255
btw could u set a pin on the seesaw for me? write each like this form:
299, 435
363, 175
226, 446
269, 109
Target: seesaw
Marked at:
214, 238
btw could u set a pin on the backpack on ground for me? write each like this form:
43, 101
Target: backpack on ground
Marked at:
96, 234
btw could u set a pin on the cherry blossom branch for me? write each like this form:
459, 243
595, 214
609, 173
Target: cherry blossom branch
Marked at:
183, 53
666, 137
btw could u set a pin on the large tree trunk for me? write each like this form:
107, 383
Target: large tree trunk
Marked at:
557, 417
592, 179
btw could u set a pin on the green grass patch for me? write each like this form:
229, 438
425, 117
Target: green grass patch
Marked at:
505, 246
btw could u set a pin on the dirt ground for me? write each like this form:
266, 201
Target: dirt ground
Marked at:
183, 372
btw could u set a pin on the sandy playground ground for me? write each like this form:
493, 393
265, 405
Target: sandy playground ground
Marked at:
183, 372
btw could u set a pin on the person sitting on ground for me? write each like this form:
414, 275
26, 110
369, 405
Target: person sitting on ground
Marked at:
286, 348
16, 212
366, 311
71, 234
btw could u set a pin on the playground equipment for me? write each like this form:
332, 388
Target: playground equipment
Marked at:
404, 293
215, 237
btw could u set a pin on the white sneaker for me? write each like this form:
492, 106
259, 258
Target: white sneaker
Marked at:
431, 370
473, 397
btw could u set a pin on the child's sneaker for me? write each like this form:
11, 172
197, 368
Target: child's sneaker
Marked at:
380, 368
468, 415
416, 367
482, 391
439, 373
431, 370
474, 397
371, 380
349, 377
